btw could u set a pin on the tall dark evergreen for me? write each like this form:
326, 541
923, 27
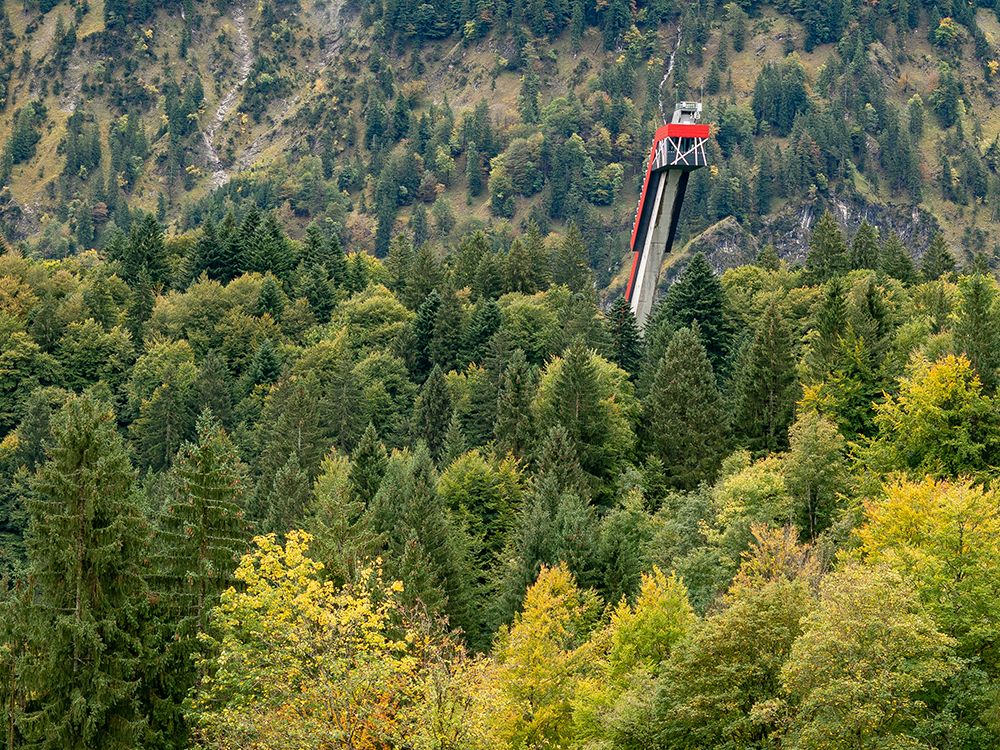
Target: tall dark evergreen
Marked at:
203, 531
865, 247
367, 468
569, 263
895, 260
683, 414
86, 544
977, 327
626, 345
766, 385
145, 249
514, 427
698, 296
938, 260
432, 412
827, 255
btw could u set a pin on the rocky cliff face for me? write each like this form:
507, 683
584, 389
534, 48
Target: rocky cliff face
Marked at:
729, 244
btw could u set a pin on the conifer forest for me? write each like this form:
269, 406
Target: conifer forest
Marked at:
324, 424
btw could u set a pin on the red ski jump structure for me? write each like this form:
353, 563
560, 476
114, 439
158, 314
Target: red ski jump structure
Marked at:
678, 149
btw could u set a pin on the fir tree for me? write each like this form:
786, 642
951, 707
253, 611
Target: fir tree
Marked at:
626, 346
938, 259
208, 256
895, 261
265, 367
203, 532
827, 255
423, 333
485, 321
977, 327
766, 385
865, 247
211, 388
432, 412
145, 249
367, 468
86, 544
140, 307
514, 426
448, 333
569, 264
698, 296
270, 300
684, 414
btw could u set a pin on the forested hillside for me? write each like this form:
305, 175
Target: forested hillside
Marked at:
322, 423
451, 503
434, 119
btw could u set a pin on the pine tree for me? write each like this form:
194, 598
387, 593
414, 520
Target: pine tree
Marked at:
766, 385
865, 247
827, 255
938, 259
684, 414
86, 544
432, 412
514, 427
626, 346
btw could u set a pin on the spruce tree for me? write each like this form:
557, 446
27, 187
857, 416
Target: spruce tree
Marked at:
569, 264
432, 412
211, 388
203, 532
86, 546
895, 261
766, 386
698, 296
827, 255
977, 327
486, 320
423, 334
207, 255
270, 300
938, 259
514, 427
449, 325
684, 414
626, 346
367, 468
337, 263
865, 247
265, 367
145, 249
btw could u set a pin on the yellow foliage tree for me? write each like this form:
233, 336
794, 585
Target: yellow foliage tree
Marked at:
301, 663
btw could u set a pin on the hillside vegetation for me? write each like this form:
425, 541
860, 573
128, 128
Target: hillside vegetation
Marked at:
322, 423
497, 111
